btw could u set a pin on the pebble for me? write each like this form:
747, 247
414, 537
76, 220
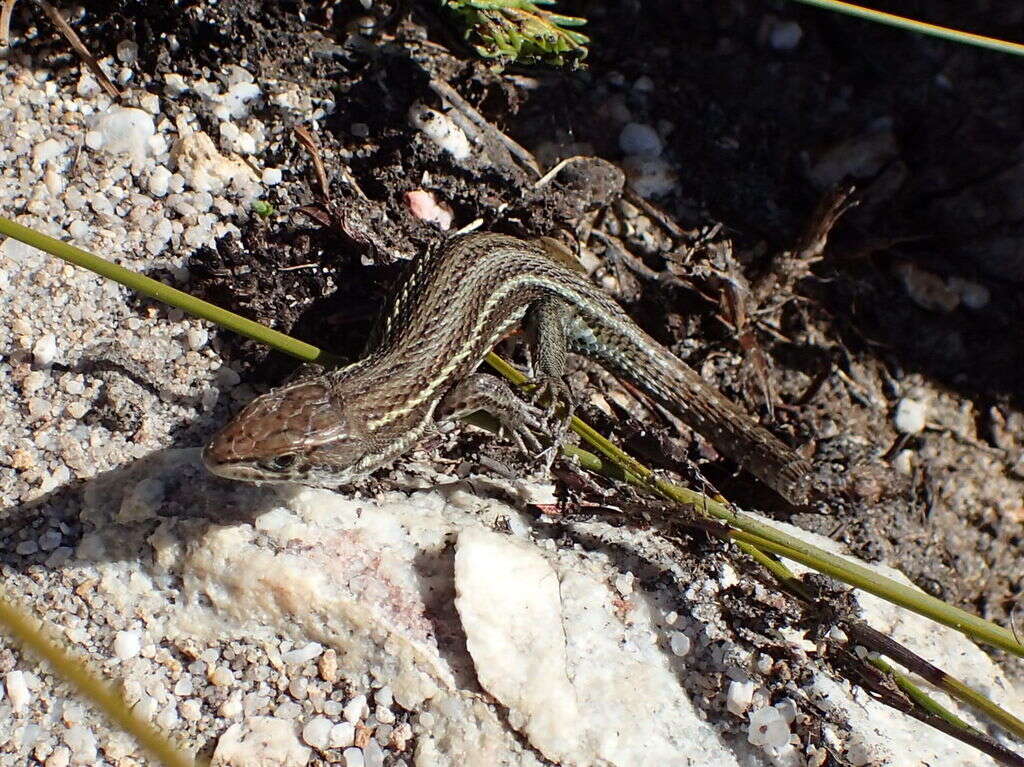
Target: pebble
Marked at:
271, 176
785, 35
910, 416
197, 338
679, 642
640, 140
50, 540
353, 757
303, 654
342, 735
739, 696
353, 710
82, 743
127, 51
373, 755
127, 644
17, 689
123, 131
221, 676
61, 757
439, 128
384, 696
768, 728
384, 715
317, 732
44, 352
26, 548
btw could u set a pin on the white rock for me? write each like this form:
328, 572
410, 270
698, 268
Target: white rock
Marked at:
174, 85
196, 338
640, 140
125, 131
44, 351
240, 99
768, 728
61, 757
127, 51
303, 654
650, 176
508, 600
679, 642
260, 741
47, 150
342, 735
207, 170
373, 756
739, 696
355, 709
317, 732
353, 757
127, 644
911, 415
440, 129
785, 35
82, 742
271, 176
17, 689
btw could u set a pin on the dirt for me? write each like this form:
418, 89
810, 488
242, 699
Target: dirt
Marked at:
927, 131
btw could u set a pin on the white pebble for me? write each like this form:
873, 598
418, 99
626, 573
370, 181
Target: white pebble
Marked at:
271, 176
127, 644
303, 654
373, 756
46, 150
317, 732
151, 103
94, 139
353, 757
910, 416
353, 710
384, 715
127, 51
624, 583
82, 743
61, 757
439, 128
33, 382
174, 85
679, 642
17, 689
384, 696
768, 728
44, 352
197, 338
738, 697
640, 140
785, 36
904, 462
125, 131
342, 735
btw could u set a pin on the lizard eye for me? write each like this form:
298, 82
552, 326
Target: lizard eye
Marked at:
282, 462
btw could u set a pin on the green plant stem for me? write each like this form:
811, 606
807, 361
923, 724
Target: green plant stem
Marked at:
912, 25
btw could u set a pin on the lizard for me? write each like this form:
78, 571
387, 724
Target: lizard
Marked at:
448, 311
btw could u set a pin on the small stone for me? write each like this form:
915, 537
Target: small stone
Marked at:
44, 352
221, 676
303, 654
738, 697
271, 176
373, 756
910, 416
82, 743
33, 382
640, 140
197, 338
317, 732
125, 131
384, 715
174, 85
353, 757
785, 35
127, 644
50, 540
260, 740
768, 728
904, 462
61, 757
191, 710
624, 583
17, 690
353, 710
184, 687
26, 548
679, 642
127, 51
384, 696
342, 735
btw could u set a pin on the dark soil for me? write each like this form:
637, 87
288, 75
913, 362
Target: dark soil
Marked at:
929, 132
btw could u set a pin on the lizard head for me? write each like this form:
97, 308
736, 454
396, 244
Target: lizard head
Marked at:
298, 433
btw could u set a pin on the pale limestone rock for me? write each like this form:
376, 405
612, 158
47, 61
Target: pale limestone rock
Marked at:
260, 741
